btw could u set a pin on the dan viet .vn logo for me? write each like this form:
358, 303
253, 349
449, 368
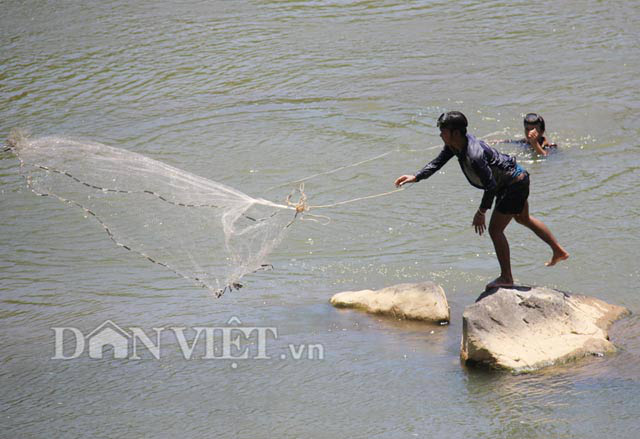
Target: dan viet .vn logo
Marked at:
230, 342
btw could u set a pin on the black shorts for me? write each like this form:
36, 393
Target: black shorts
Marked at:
511, 200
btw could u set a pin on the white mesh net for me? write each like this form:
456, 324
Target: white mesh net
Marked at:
202, 230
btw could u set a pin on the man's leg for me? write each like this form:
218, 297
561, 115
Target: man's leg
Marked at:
499, 222
543, 232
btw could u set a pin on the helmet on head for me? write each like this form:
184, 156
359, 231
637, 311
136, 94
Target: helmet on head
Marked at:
453, 120
534, 119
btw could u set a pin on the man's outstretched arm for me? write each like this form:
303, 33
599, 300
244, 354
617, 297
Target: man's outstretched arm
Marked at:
430, 168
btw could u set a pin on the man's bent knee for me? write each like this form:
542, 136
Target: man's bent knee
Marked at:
495, 231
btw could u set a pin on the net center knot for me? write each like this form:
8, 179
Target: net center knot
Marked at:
301, 206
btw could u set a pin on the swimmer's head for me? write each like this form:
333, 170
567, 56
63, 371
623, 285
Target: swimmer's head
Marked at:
453, 120
533, 120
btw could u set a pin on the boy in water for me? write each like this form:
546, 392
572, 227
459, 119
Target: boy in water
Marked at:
534, 134
501, 178
534, 137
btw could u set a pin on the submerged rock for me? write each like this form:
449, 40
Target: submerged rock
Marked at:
417, 301
524, 329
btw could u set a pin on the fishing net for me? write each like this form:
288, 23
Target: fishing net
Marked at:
200, 229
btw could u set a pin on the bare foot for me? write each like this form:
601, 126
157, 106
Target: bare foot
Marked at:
499, 282
557, 257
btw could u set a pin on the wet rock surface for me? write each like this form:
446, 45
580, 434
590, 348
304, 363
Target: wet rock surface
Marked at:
425, 301
527, 328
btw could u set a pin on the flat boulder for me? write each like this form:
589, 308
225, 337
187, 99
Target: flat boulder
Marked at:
424, 301
527, 328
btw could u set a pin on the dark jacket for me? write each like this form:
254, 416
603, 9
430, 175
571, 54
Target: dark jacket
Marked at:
484, 167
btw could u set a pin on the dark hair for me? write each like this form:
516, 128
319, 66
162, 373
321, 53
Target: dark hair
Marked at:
453, 120
534, 119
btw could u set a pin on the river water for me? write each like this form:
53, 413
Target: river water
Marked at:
256, 94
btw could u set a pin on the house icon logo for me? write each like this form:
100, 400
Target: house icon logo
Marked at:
108, 334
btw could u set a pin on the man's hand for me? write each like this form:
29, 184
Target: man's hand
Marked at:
478, 222
402, 180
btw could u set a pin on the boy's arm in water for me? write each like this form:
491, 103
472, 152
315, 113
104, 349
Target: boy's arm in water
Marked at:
495, 142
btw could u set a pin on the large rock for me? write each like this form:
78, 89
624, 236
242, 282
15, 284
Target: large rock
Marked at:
422, 301
525, 329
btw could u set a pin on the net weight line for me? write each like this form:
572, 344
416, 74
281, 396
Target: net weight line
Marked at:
146, 191
218, 292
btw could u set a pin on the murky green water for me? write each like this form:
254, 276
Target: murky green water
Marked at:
255, 94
